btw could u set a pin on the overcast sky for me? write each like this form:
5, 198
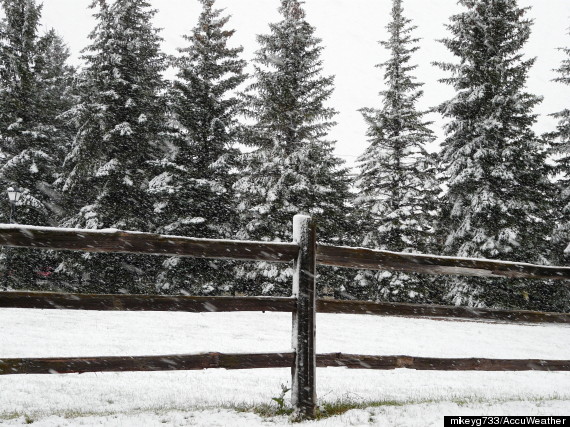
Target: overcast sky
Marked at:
350, 30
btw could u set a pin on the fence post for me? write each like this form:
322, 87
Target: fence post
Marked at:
303, 390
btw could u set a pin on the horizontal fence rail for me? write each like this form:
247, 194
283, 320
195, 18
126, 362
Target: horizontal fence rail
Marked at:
362, 258
49, 300
359, 361
143, 243
173, 362
102, 302
439, 311
340, 256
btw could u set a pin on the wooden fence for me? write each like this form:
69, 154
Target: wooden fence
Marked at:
305, 254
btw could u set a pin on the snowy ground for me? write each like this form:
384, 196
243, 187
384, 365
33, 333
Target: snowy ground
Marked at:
210, 397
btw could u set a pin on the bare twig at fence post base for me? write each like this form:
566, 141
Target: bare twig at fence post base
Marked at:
303, 392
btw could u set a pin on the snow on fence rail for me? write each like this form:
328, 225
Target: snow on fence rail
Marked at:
111, 240
305, 254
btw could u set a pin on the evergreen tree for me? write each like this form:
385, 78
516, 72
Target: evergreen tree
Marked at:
57, 95
34, 82
561, 149
496, 205
557, 297
398, 188
194, 195
119, 117
291, 168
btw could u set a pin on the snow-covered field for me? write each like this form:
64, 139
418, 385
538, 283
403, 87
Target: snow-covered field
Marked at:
414, 398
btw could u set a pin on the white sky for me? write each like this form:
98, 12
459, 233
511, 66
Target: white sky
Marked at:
350, 30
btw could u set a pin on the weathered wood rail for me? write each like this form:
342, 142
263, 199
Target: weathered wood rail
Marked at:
101, 302
143, 243
305, 254
191, 304
439, 311
169, 362
340, 256
372, 259
187, 362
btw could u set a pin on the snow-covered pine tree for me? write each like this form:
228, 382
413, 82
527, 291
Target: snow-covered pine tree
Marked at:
291, 168
561, 149
193, 192
119, 117
56, 95
34, 91
497, 201
559, 296
397, 183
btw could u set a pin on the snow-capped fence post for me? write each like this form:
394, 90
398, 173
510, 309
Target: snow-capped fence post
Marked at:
303, 390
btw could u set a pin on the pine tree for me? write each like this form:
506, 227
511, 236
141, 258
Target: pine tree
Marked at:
57, 96
561, 149
194, 195
496, 205
119, 117
34, 82
556, 297
292, 168
398, 188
